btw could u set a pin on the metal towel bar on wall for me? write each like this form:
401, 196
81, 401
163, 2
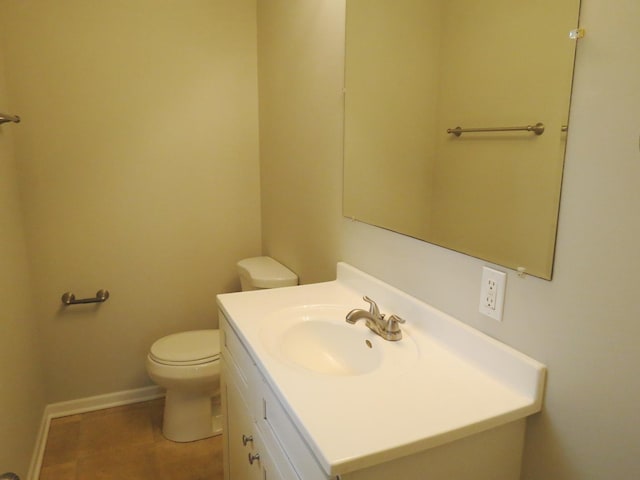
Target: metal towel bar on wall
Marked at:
9, 476
69, 298
5, 118
538, 129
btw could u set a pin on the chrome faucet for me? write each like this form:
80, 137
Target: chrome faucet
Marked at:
389, 328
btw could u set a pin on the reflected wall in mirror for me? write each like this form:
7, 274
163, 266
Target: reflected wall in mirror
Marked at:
415, 68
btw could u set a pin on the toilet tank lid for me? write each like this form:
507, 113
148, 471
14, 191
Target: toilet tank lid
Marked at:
265, 272
187, 346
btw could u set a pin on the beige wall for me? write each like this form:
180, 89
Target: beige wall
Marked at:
583, 324
300, 47
21, 376
139, 171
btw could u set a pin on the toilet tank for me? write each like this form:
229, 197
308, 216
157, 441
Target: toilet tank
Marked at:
264, 272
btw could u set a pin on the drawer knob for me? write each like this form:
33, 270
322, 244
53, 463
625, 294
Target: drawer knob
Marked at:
246, 439
254, 458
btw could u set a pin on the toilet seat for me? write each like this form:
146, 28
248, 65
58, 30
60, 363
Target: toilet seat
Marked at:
194, 347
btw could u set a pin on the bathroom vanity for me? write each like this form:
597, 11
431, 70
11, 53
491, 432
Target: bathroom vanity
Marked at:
305, 395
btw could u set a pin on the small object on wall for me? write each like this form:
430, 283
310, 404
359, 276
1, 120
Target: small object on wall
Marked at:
69, 298
576, 34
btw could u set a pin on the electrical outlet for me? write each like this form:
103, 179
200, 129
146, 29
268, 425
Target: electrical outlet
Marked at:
492, 290
490, 297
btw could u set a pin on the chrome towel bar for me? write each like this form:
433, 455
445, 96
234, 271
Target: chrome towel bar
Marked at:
5, 117
538, 129
69, 298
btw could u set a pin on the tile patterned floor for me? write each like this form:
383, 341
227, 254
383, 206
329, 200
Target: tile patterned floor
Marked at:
125, 443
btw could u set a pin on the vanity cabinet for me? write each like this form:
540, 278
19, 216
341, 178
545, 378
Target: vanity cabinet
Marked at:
250, 450
262, 443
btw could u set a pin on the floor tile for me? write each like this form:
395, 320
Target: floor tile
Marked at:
62, 442
64, 471
126, 443
156, 410
201, 460
67, 419
120, 408
101, 432
126, 462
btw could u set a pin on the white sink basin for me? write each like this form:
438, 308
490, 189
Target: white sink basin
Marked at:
317, 338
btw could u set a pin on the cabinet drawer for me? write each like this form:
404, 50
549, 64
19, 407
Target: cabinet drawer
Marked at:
276, 423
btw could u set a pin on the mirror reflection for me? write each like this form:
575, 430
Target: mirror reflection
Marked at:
416, 68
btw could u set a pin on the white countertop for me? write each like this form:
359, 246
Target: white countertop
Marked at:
462, 381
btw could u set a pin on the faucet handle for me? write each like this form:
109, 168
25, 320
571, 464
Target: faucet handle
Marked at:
392, 329
373, 307
395, 320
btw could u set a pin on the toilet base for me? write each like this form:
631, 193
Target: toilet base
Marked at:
189, 416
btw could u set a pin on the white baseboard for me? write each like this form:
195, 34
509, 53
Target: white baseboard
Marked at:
38, 452
108, 400
83, 405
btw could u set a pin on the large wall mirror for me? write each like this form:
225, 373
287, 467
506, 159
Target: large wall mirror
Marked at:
416, 68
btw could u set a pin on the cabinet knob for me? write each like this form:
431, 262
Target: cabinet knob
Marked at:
254, 457
246, 439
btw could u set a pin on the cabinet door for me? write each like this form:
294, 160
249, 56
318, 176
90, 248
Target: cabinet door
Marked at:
273, 462
241, 460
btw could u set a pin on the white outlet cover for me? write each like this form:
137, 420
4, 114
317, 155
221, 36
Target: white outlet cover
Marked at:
500, 279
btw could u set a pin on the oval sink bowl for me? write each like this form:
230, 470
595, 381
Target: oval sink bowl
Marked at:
325, 347
317, 338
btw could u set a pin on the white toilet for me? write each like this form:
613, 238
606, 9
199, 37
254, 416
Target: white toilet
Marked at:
187, 364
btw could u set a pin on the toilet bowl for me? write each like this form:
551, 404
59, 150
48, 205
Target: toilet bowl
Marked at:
187, 364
